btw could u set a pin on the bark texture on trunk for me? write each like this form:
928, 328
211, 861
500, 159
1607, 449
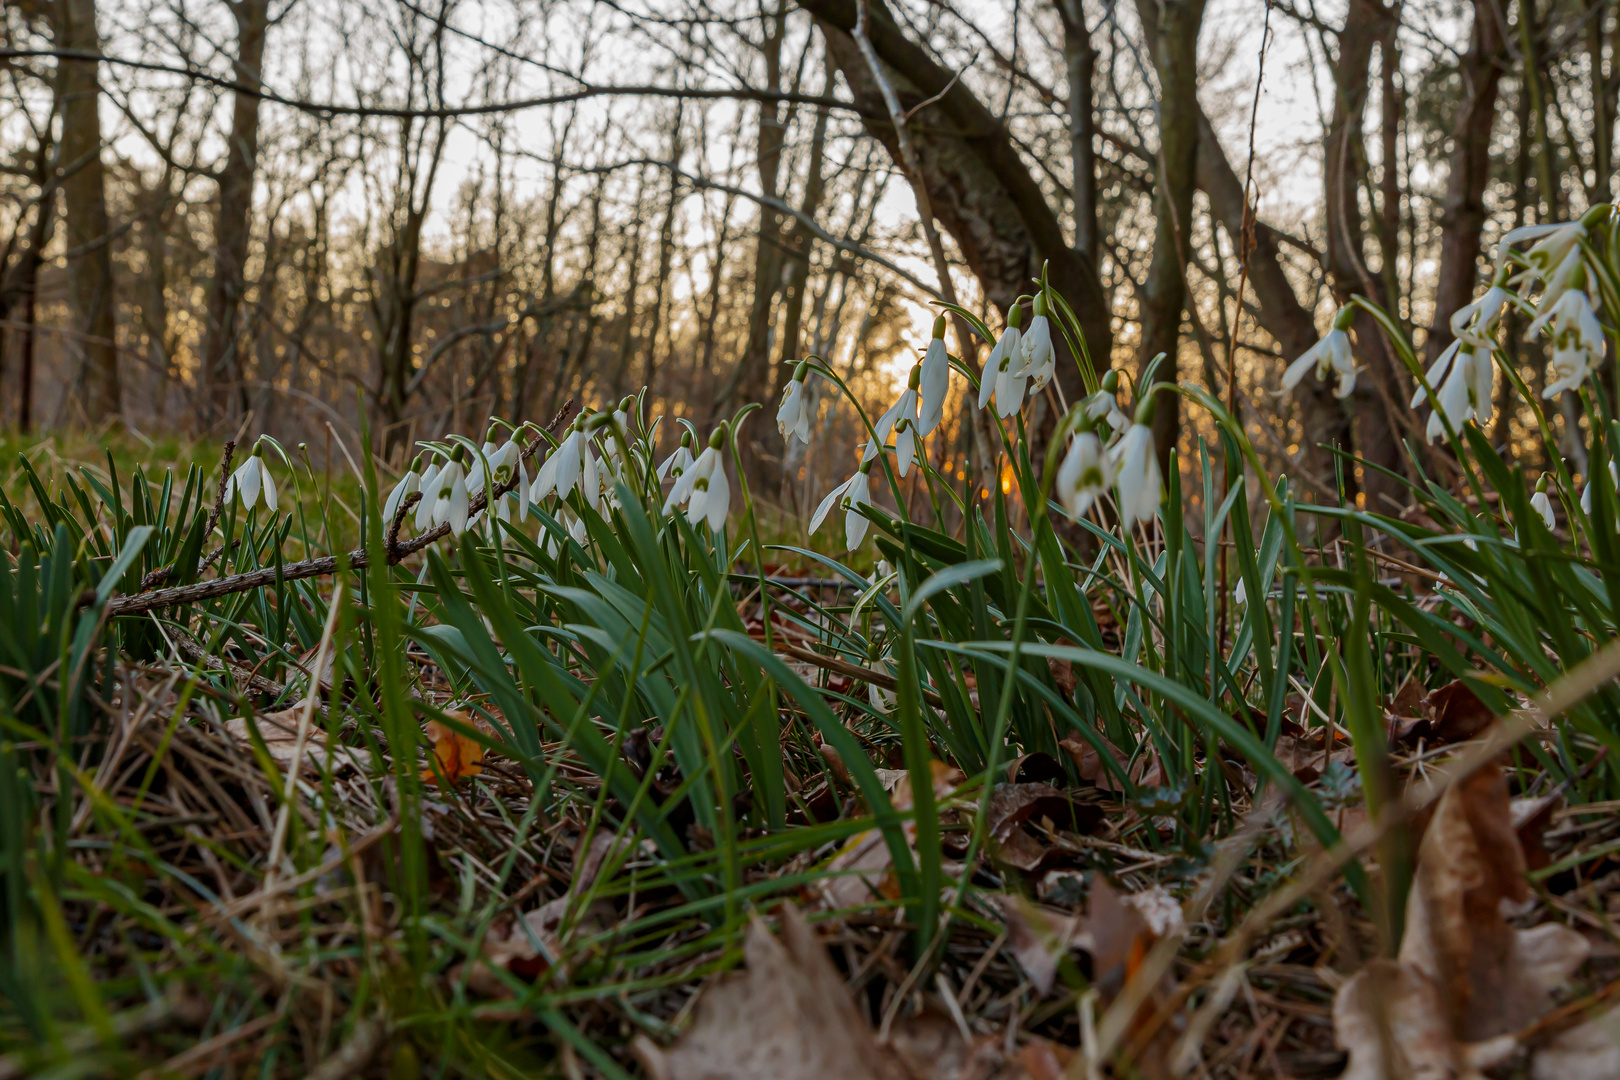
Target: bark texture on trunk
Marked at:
233, 220
1321, 415
84, 197
980, 189
1172, 32
1462, 213
1381, 391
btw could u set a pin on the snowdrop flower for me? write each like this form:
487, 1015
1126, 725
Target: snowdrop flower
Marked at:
1555, 241
1477, 323
1137, 469
424, 508
1240, 595
449, 496
251, 479
1005, 357
504, 463
408, 485
1569, 276
1036, 347
678, 462
704, 489
848, 495
1103, 405
696, 481
793, 418
935, 382
1541, 504
901, 420
1462, 376
1586, 492
1331, 355
1087, 471
570, 522
1577, 343
571, 464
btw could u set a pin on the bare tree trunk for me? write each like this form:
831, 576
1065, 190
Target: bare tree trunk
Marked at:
233, 223
627, 340
89, 240
1462, 213
1172, 31
1381, 392
1080, 63
666, 252
800, 241
752, 380
1321, 415
979, 187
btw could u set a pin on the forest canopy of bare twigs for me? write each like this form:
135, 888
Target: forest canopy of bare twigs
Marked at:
300, 211
1167, 630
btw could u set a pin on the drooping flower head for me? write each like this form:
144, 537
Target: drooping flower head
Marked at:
678, 462
252, 479
901, 421
1136, 473
408, 485
793, 418
1087, 472
1542, 504
707, 488
850, 494
1330, 356
1040, 359
449, 494
1005, 355
935, 382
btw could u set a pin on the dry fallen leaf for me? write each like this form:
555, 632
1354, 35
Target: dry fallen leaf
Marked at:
862, 870
279, 730
457, 755
1465, 979
790, 1017
527, 947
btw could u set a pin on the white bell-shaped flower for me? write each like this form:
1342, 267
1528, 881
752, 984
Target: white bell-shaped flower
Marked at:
1006, 356
1103, 406
711, 497
851, 493
251, 480
450, 496
704, 486
1462, 376
1578, 343
1586, 492
1542, 504
901, 422
1137, 471
1554, 243
1240, 595
424, 508
678, 462
408, 485
1036, 346
1086, 473
935, 382
505, 464
1331, 355
793, 417
1477, 323
571, 464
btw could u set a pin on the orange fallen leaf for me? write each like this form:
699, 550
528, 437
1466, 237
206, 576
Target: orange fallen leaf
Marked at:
457, 755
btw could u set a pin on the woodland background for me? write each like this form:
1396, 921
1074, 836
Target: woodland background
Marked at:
269, 215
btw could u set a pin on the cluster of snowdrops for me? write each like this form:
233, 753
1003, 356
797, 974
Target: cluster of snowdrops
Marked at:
1557, 281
